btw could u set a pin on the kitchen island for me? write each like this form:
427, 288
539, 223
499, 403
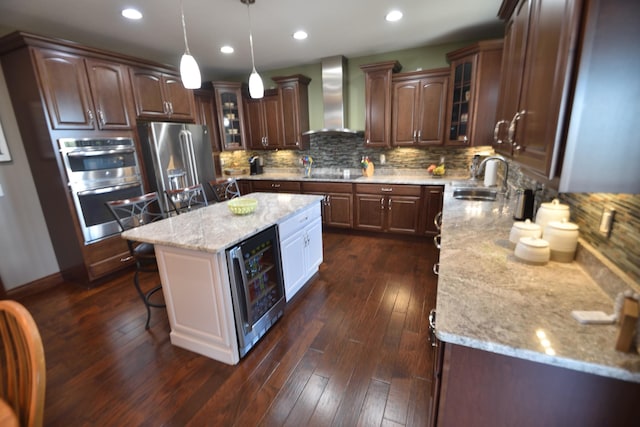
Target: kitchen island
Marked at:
192, 261
513, 353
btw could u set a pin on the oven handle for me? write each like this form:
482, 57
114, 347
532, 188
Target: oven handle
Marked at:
108, 189
188, 155
89, 152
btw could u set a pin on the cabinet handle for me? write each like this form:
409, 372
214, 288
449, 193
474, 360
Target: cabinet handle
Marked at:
419, 136
415, 132
165, 107
297, 143
381, 203
328, 199
437, 221
170, 107
275, 185
101, 117
432, 328
90, 115
390, 204
436, 241
496, 131
436, 268
386, 189
512, 126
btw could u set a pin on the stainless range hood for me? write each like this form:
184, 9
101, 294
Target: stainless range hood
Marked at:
334, 95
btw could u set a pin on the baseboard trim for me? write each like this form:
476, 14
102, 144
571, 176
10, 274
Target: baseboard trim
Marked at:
35, 287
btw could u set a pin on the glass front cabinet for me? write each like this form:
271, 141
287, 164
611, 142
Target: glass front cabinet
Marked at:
230, 115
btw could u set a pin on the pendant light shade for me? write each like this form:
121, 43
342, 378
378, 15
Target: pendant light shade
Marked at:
189, 70
256, 87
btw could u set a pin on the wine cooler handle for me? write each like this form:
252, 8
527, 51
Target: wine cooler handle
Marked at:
238, 266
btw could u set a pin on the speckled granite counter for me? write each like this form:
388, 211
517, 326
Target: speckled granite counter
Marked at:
489, 300
214, 228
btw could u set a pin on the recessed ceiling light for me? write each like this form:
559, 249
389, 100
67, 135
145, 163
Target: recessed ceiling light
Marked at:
394, 15
300, 35
226, 49
131, 13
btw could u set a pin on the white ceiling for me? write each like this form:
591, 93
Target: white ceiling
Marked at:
347, 27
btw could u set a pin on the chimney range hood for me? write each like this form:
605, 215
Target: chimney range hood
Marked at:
334, 97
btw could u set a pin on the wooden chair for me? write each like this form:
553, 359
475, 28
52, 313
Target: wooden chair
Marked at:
186, 199
134, 212
225, 190
22, 364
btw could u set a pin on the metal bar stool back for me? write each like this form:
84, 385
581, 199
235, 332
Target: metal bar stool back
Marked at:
131, 213
186, 199
225, 190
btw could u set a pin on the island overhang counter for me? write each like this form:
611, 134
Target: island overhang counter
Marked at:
192, 261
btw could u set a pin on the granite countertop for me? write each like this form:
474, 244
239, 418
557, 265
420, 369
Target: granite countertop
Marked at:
406, 176
214, 228
489, 300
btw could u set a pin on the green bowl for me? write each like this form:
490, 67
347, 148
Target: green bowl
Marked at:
242, 206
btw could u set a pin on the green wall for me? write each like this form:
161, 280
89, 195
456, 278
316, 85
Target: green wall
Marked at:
426, 57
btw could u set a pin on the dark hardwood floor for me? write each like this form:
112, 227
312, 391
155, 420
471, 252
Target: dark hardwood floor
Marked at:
351, 350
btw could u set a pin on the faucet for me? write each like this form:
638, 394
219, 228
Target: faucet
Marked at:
480, 168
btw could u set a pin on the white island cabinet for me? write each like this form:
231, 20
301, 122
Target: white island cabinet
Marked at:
191, 252
301, 248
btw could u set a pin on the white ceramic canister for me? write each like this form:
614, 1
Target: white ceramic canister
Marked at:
563, 239
524, 228
532, 250
551, 211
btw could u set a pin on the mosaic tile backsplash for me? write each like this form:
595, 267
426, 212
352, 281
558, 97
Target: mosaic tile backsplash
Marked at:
622, 247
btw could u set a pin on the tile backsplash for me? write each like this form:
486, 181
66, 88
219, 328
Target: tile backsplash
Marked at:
622, 247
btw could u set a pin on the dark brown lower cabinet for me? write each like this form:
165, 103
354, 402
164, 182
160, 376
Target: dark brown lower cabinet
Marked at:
337, 205
479, 388
387, 208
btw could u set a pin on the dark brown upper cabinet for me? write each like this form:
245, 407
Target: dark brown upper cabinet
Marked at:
378, 98
419, 107
161, 96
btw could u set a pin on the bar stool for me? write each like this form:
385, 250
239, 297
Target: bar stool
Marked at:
131, 213
186, 199
225, 190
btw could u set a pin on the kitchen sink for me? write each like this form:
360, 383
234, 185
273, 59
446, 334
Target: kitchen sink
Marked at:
475, 193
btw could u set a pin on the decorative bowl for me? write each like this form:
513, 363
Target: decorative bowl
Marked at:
242, 206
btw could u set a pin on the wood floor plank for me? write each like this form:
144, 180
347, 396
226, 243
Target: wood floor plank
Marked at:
358, 328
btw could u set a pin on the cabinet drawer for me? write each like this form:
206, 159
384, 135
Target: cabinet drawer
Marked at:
327, 187
298, 221
386, 189
268, 185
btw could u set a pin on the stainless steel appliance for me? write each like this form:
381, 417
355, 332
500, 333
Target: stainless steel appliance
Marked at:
100, 170
257, 286
176, 155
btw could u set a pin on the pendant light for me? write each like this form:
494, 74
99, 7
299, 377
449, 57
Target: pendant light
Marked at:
256, 87
189, 71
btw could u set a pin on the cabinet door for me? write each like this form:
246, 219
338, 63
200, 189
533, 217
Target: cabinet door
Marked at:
148, 93
461, 106
432, 205
431, 110
293, 263
111, 94
313, 250
66, 89
378, 97
294, 110
254, 124
181, 102
230, 109
206, 115
403, 213
271, 121
370, 212
515, 47
551, 42
404, 115
339, 210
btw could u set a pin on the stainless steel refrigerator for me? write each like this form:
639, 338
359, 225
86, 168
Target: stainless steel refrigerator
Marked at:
176, 155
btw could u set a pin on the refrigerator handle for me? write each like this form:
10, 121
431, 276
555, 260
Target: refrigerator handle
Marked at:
188, 155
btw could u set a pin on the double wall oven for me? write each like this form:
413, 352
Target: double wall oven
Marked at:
100, 170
